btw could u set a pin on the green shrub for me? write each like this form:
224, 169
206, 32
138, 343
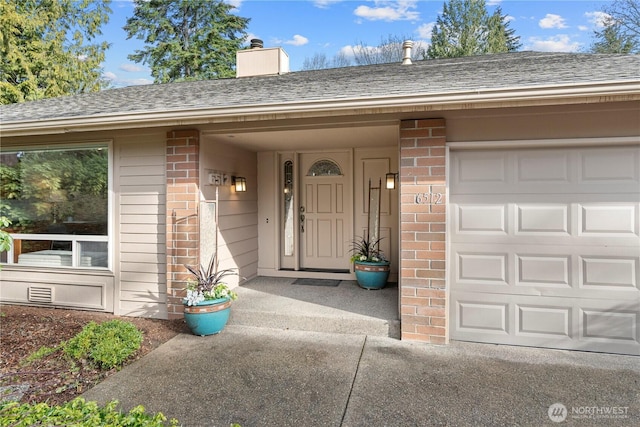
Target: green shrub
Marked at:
78, 413
108, 344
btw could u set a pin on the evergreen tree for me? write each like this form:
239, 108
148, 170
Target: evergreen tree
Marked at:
621, 32
46, 49
466, 28
612, 39
187, 39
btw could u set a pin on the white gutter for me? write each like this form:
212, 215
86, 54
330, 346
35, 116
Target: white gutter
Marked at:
472, 99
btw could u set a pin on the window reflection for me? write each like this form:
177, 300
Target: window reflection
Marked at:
324, 168
288, 208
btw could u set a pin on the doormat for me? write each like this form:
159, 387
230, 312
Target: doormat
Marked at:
317, 282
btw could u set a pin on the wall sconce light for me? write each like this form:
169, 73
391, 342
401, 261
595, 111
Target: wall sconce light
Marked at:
391, 180
239, 183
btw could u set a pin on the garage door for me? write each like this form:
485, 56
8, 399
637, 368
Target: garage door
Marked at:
545, 247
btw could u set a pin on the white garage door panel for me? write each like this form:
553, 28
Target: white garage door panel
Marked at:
566, 323
565, 271
545, 248
584, 170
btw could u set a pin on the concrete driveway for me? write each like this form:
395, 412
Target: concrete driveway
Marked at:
269, 377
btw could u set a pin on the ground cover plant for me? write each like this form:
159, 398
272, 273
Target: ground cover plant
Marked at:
34, 366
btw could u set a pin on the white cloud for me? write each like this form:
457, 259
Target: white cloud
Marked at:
597, 19
131, 68
389, 11
552, 21
493, 2
118, 82
424, 31
347, 51
235, 3
297, 40
324, 4
559, 43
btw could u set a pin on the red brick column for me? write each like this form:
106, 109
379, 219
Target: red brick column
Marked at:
423, 310
183, 197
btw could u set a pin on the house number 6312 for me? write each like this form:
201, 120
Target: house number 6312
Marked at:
429, 198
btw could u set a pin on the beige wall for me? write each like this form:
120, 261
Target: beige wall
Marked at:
139, 212
579, 121
237, 212
268, 233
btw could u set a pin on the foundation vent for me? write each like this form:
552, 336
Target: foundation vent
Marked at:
40, 294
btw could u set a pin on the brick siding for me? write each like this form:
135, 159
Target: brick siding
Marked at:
423, 300
183, 196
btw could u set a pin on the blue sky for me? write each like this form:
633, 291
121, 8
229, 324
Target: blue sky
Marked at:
304, 28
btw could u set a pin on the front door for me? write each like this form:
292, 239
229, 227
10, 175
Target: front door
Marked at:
325, 211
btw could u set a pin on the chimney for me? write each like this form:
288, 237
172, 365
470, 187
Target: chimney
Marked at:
258, 61
256, 43
406, 52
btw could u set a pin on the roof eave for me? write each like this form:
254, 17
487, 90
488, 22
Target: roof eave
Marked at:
613, 91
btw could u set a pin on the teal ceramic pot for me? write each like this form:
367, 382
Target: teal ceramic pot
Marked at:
208, 317
372, 275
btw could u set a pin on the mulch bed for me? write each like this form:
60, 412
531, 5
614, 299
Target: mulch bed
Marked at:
55, 379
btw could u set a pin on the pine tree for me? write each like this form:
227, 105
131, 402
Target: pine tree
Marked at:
465, 28
621, 32
612, 39
187, 39
46, 48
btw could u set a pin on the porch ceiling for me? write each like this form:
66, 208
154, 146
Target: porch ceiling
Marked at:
311, 137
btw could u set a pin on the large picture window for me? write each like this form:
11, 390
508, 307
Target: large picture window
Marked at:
58, 203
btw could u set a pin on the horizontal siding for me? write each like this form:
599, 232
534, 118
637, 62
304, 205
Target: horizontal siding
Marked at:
140, 180
238, 238
142, 219
131, 249
146, 267
150, 200
132, 306
236, 221
142, 226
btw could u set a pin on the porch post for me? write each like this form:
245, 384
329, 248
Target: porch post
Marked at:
183, 196
422, 281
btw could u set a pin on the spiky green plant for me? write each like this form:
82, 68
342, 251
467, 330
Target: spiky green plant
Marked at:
366, 249
207, 283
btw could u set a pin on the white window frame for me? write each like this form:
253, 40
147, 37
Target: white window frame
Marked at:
73, 238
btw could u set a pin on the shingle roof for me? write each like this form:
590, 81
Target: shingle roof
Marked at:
501, 71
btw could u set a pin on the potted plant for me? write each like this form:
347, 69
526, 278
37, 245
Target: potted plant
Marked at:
370, 265
208, 301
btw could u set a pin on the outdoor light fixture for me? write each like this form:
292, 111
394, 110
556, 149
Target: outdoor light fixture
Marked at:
391, 180
239, 183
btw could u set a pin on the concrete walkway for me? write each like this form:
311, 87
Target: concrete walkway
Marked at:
274, 377
277, 303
